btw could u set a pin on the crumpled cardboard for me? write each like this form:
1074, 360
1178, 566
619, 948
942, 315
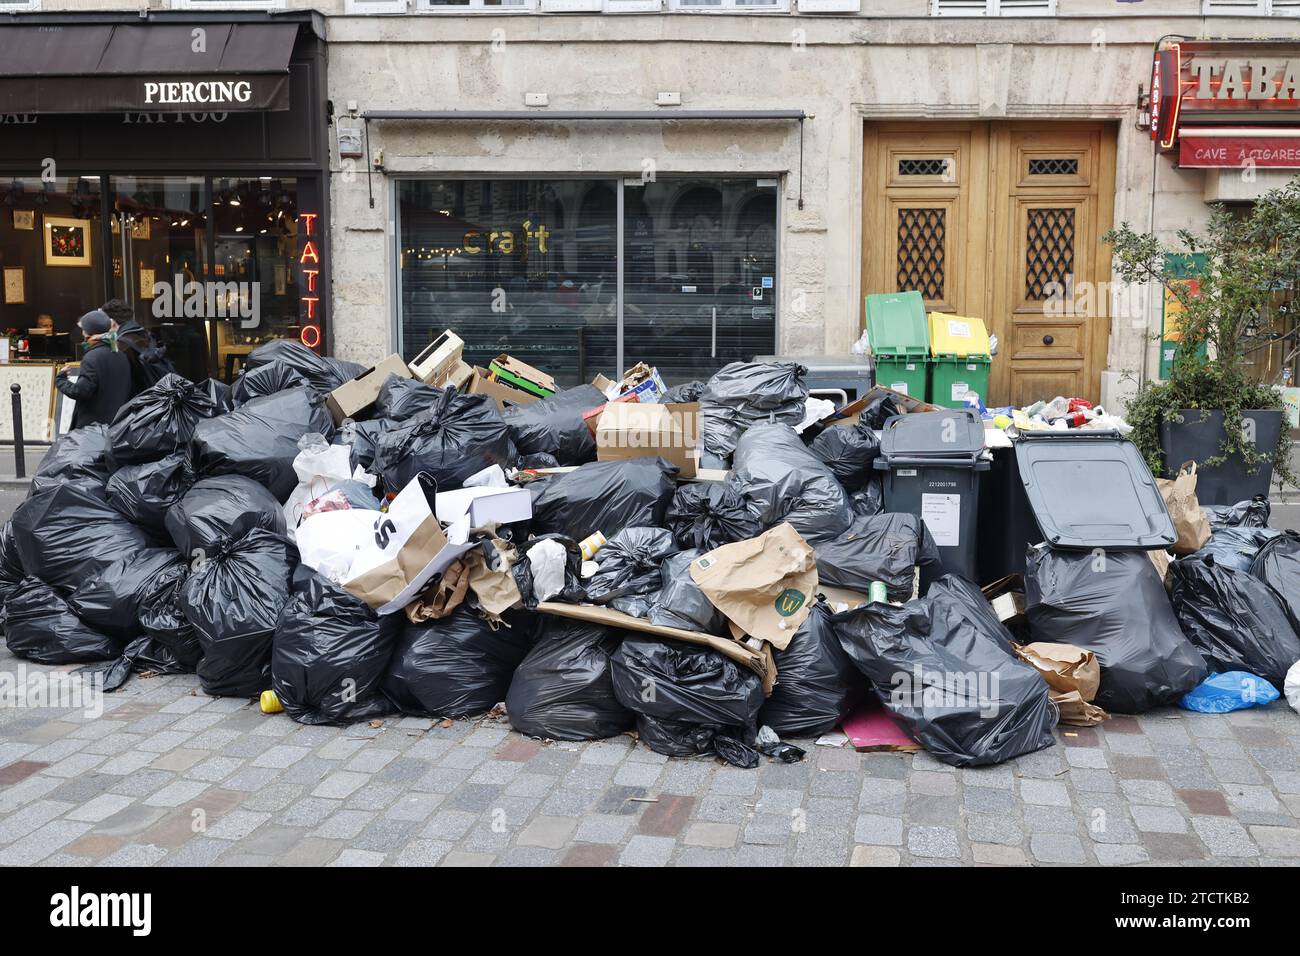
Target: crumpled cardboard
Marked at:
494, 584
1073, 674
1190, 522
1160, 558
765, 586
442, 596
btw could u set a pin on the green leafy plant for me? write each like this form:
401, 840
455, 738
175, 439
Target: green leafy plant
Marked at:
1251, 261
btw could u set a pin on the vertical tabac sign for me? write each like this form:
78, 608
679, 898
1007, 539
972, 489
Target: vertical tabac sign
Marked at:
309, 284
1166, 96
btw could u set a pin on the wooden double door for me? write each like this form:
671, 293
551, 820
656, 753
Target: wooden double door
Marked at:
1001, 221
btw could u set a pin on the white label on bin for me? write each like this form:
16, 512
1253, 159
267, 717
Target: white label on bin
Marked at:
942, 515
906, 473
958, 330
900, 387
959, 391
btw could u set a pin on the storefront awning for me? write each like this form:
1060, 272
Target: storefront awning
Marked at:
1238, 147
152, 68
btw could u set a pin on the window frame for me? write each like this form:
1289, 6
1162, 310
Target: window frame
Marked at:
993, 8
361, 8
1262, 8
220, 6
727, 6
20, 6
473, 7
829, 6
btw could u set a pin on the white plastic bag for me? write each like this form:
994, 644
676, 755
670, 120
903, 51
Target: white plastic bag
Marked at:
1291, 687
329, 542
318, 466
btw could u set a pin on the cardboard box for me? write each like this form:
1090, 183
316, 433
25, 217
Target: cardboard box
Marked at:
521, 375
848, 414
481, 383
592, 415
634, 430
457, 377
439, 357
757, 658
352, 398
483, 506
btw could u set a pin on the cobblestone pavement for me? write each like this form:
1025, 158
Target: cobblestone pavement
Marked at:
169, 776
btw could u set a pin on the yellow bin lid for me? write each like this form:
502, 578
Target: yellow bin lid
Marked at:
957, 335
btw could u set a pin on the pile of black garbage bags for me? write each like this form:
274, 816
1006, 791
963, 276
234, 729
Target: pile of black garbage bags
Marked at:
160, 544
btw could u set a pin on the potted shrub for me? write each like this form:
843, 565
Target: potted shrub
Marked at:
1210, 410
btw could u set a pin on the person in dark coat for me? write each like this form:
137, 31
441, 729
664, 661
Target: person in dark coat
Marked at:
103, 383
147, 358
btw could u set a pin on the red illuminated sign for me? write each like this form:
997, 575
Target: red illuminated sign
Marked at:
1165, 99
1239, 151
309, 263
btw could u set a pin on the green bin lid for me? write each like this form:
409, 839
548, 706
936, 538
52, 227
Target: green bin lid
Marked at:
897, 325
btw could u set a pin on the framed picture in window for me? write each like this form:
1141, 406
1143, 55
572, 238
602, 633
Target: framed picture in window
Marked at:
25, 220
146, 282
67, 242
15, 285
140, 228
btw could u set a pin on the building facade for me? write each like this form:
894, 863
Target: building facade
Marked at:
591, 183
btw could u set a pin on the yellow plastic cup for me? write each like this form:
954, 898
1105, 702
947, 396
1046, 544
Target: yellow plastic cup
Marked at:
271, 703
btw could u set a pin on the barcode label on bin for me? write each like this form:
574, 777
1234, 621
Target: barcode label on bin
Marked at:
906, 473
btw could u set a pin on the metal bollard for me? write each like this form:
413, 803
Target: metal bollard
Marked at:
20, 465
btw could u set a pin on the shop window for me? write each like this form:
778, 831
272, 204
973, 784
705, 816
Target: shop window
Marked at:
993, 8
51, 262
530, 267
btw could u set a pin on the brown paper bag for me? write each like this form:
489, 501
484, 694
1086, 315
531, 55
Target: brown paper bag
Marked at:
1160, 558
1190, 522
1073, 674
441, 596
495, 588
765, 585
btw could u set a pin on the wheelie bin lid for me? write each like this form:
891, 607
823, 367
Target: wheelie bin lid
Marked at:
1091, 489
951, 433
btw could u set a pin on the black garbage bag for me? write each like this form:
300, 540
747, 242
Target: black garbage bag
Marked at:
77, 457
554, 425
680, 603
403, 398
67, 534
1236, 547
1113, 604
217, 392
266, 379
967, 699
709, 514
536, 460
460, 435
221, 508
159, 420
234, 599
39, 626
628, 566
685, 392
781, 480
455, 667
157, 649
965, 594
173, 644
562, 690
848, 451
144, 493
1236, 621
1278, 565
11, 564
887, 547
260, 439
744, 393
683, 689
879, 410
1244, 514
330, 653
817, 684
870, 500
323, 375
110, 600
604, 496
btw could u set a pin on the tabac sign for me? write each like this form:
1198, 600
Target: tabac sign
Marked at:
1241, 79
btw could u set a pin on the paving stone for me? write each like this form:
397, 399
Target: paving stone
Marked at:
878, 830
340, 784
988, 828
874, 856
984, 800
551, 832
603, 828
1050, 819
993, 854
1224, 837
448, 825
1158, 819
1205, 802
237, 824
1150, 792
644, 850
1119, 854
344, 824
933, 842
1277, 841
1056, 848
135, 854
721, 835
1045, 792
1093, 758
1173, 847
667, 816
932, 783
423, 853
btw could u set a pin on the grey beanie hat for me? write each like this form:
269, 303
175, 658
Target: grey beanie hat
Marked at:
95, 322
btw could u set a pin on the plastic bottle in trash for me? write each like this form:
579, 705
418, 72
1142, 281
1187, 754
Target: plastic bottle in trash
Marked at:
590, 545
877, 593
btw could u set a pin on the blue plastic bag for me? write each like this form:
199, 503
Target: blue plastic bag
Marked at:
1233, 690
